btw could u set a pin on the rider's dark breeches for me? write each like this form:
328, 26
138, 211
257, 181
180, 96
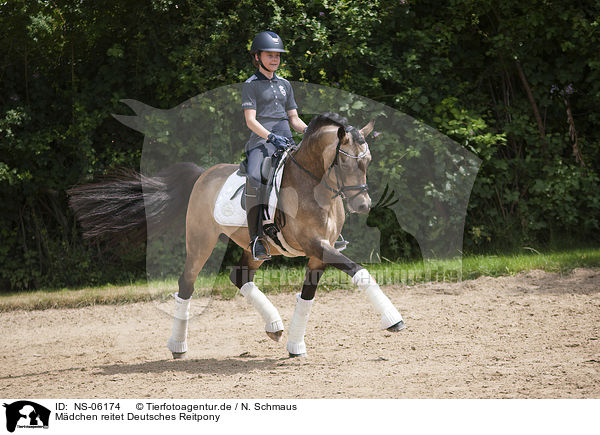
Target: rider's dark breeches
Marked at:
256, 156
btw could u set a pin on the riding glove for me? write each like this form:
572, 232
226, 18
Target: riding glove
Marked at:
278, 141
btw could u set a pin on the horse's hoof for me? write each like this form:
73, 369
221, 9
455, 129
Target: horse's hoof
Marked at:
275, 336
296, 355
397, 327
178, 355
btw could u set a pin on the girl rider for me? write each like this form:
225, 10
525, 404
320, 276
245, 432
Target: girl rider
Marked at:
269, 110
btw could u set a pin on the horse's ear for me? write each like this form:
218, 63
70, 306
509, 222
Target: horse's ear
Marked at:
341, 133
367, 129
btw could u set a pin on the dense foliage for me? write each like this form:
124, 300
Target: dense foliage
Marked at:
517, 83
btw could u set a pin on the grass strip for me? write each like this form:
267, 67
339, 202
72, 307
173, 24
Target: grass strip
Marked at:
284, 279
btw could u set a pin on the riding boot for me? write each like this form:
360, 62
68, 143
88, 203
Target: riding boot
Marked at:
254, 212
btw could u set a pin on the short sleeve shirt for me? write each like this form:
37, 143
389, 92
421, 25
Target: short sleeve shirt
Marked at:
271, 98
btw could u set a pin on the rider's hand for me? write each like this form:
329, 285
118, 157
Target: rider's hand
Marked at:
278, 141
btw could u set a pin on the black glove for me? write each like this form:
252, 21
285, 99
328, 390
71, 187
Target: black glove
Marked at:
278, 141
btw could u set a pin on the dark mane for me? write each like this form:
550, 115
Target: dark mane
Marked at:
332, 118
328, 118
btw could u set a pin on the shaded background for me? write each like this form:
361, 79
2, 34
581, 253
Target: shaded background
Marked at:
516, 83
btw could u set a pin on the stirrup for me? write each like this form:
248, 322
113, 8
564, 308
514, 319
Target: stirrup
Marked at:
340, 245
266, 256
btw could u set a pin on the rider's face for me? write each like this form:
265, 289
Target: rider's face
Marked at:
270, 60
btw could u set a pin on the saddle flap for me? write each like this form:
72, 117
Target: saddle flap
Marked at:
265, 169
230, 211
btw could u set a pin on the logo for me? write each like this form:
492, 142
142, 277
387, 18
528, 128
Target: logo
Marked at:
193, 132
26, 415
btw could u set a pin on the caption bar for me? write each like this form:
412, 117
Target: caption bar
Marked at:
222, 416
119, 416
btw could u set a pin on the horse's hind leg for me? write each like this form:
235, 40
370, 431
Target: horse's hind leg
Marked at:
199, 246
304, 300
242, 276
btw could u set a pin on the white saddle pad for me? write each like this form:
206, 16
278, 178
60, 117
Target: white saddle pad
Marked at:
229, 212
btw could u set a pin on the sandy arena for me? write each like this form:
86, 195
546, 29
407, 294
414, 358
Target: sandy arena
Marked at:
534, 335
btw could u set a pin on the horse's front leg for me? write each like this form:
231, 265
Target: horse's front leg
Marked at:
304, 300
391, 319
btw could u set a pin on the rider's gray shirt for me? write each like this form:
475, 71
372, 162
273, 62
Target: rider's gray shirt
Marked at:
271, 98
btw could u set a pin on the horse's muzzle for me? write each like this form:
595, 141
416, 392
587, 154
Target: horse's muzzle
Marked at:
361, 204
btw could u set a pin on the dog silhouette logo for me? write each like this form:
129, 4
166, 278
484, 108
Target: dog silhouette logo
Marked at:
26, 414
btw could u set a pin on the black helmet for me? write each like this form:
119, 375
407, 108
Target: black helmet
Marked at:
267, 41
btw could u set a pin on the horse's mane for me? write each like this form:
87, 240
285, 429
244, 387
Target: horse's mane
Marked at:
331, 118
324, 119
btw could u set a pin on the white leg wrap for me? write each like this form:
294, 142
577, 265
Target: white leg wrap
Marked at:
389, 314
263, 305
295, 344
178, 341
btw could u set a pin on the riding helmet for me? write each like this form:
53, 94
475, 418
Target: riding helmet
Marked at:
267, 41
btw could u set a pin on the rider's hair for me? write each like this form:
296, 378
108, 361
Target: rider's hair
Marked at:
253, 57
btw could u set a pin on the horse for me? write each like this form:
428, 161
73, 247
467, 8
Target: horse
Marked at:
323, 179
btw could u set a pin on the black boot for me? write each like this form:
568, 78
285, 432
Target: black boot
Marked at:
258, 246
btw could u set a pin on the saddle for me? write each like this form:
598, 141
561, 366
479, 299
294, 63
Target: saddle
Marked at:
267, 171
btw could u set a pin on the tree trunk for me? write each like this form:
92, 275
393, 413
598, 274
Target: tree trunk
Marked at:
534, 106
573, 134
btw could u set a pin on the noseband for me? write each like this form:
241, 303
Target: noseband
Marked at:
341, 187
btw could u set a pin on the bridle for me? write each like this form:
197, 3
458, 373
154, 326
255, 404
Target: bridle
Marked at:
342, 188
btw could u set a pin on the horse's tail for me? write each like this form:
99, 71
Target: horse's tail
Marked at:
130, 204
